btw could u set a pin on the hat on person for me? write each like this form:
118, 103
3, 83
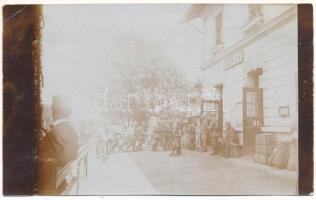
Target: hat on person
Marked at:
61, 103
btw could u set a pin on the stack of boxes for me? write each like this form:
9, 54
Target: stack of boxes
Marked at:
265, 144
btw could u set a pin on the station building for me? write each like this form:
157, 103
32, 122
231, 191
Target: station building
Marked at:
251, 60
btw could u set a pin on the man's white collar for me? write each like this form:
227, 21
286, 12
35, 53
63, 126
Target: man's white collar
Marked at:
59, 121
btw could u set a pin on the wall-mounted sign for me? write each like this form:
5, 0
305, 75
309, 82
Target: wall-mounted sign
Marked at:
284, 111
233, 60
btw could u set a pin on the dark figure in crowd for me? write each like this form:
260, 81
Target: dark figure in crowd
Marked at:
230, 137
131, 142
176, 139
140, 137
116, 143
156, 136
99, 145
116, 137
204, 134
167, 134
108, 140
191, 132
214, 137
59, 147
102, 143
162, 136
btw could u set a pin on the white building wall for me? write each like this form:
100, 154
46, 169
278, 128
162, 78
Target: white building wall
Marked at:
209, 32
212, 76
275, 53
208, 17
271, 11
278, 58
232, 91
234, 17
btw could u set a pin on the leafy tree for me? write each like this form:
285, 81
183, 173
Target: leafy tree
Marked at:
136, 66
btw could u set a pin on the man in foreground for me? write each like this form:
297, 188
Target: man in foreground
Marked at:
58, 148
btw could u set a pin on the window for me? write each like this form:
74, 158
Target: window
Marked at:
253, 96
219, 28
255, 18
254, 11
252, 104
284, 111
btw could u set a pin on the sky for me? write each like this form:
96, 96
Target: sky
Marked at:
75, 39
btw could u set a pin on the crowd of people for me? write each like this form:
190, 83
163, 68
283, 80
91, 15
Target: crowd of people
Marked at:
167, 135
117, 137
60, 139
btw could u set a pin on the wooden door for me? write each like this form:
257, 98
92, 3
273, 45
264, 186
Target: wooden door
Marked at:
252, 117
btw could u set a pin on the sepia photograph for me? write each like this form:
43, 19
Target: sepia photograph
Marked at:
154, 99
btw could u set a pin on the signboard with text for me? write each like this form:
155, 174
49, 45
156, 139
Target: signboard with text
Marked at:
233, 60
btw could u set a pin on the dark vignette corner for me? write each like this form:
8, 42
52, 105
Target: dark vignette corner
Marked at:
21, 97
305, 76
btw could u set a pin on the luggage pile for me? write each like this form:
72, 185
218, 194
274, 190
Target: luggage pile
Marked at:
285, 155
282, 155
264, 147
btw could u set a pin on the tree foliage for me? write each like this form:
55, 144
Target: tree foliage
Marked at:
136, 66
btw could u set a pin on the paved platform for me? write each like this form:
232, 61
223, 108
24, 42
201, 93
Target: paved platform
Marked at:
117, 175
196, 173
192, 173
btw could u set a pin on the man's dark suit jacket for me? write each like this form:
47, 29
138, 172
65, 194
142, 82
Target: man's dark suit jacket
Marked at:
61, 144
57, 148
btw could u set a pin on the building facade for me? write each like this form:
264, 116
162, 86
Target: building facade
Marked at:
251, 61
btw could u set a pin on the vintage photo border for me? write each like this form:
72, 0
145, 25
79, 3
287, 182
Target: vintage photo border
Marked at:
305, 86
22, 69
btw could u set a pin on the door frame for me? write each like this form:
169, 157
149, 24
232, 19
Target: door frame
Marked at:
252, 124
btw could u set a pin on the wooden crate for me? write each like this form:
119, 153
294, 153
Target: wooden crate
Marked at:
258, 139
256, 157
265, 138
263, 159
257, 148
271, 139
267, 149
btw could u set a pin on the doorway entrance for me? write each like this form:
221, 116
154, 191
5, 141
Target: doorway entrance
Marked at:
213, 109
252, 111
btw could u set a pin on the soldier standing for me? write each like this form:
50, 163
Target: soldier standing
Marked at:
139, 133
191, 137
229, 138
131, 138
214, 137
176, 139
204, 134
